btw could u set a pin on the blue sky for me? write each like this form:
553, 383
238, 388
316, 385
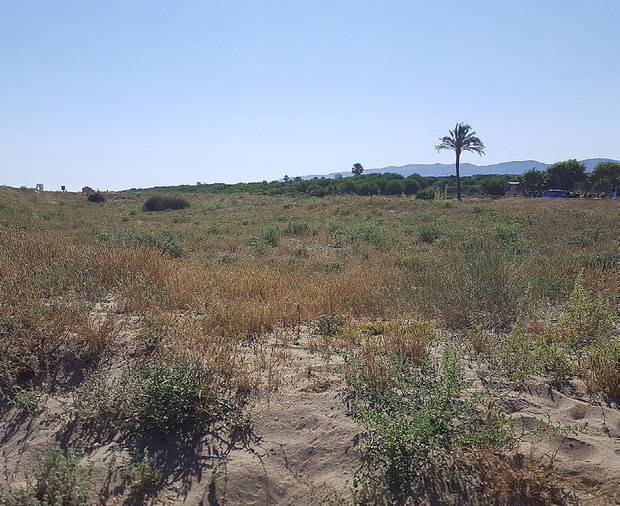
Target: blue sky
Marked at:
118, 94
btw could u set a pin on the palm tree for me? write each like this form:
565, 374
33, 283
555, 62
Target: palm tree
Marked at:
462, 138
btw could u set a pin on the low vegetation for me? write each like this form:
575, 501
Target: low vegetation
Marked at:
58, 480
154, 332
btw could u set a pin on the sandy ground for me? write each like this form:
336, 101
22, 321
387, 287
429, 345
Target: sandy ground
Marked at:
303, 443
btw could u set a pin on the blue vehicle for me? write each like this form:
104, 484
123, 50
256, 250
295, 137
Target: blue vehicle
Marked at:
562, 194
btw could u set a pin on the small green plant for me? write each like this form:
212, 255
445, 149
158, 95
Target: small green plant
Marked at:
333, 266
586, 318
301, 252
336, 231
143, 473
271, 236
429, 234
604, 260
26, 400
328, 324
58, 481
258, 245
298, 228
267, 239
600, 368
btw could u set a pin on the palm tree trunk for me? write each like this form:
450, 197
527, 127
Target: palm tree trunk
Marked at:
458, 176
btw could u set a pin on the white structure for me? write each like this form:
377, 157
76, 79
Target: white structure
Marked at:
39, 187
513, 187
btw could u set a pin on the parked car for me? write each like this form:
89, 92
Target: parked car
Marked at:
563, 194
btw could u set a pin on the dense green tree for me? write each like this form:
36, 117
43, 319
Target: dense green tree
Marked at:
605, 175
394, 187
357, 169
534, 180
411, 186
462, 138
566, 175
494, 186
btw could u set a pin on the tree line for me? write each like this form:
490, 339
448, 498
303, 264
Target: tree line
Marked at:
567, 175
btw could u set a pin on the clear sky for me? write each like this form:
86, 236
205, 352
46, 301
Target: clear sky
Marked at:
134, 93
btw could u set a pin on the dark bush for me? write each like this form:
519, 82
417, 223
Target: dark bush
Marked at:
95, 197
163, 203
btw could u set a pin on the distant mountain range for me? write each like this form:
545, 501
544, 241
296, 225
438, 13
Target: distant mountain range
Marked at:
467, 169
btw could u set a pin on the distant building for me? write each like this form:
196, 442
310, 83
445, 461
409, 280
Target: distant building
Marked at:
513, 188
39, 187
87, 190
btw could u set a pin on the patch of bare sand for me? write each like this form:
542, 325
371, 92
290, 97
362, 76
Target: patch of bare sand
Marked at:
589, 454
306, 441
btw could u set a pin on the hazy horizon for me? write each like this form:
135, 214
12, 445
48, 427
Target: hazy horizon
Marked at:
116, 96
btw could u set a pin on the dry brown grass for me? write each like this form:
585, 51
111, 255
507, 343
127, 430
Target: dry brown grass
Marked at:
54, 266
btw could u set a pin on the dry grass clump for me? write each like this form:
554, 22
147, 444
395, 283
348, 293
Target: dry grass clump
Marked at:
378, 344
493, 478
582, 342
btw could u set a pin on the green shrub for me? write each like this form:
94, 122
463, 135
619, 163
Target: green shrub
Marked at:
328, 324
26, 400
143, 474
420, 411
297, 228
95, 197
166, 399
522, 355
427, 193
510, 238
58, 481
493, 186
258, 244
301, 252
163, 203
367, 232
336, 231
429, 234
333, 266
271, 236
